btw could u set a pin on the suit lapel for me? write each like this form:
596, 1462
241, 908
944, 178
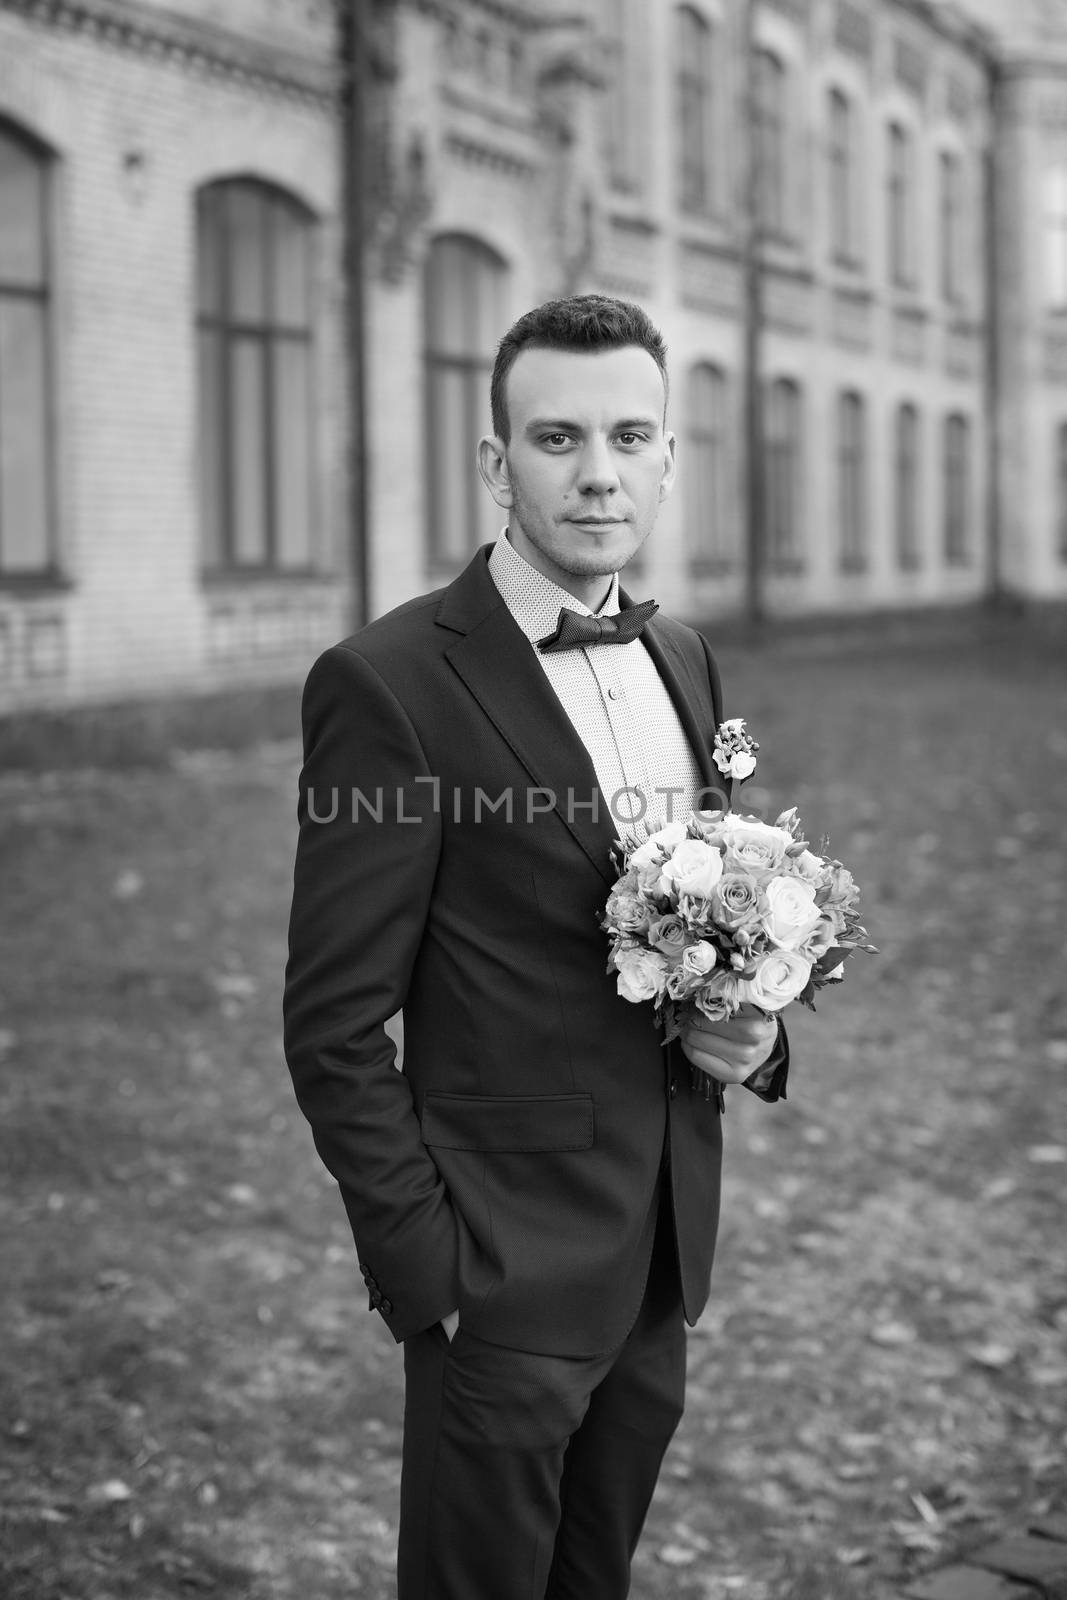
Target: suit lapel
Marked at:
500, 669
494, 659
687, 696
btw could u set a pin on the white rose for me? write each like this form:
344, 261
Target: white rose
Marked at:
791, 913
779, 977
807, 864
694, 868
642, 975
757, 846
741, 765
700, 957
662, 842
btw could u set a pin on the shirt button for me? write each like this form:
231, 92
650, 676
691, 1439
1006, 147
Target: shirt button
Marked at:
613, 693
674, 1088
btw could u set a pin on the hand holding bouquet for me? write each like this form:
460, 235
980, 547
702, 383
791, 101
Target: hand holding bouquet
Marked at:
723, 910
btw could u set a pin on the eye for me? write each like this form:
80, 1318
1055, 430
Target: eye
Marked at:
629, 439
556, 441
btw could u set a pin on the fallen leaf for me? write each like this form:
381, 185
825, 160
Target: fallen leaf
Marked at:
1046, 1154
675, 1555
891, 1334
112, 1492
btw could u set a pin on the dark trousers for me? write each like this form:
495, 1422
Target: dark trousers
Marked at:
527, 1477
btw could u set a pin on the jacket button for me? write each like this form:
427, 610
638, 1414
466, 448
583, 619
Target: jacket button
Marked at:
673, 1088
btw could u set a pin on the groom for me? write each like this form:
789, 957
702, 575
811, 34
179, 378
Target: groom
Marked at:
534, 1198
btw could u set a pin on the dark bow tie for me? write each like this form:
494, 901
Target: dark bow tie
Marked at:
574, 630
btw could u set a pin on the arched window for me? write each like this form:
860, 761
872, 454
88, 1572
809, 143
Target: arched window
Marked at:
706, 466
696, 187
841, 153
957, 491
783, 446
1061, 491
906, 474
465, 301
257, 412
852, 482
27, 545
771, 133
901, 206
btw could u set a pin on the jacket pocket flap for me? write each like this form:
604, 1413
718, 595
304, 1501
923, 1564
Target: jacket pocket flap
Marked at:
502, 1123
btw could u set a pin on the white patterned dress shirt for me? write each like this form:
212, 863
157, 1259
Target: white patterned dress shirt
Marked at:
613, 695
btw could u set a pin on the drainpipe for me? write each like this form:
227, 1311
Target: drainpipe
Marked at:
355, 36
753, 314
994, 538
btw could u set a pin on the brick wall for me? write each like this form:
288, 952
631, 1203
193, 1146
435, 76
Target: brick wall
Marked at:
136, 128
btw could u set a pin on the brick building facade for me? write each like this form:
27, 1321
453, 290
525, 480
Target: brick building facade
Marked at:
174, 505
168, 189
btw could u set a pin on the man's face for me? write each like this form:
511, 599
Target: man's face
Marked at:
588, 462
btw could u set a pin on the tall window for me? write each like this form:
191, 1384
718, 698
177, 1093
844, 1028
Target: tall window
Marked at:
254, 247
906, 474
901, 207
1055, 199
844, 240
465, 311
783, 448
957, 491
694, 101
771, 131
706, 467
1061, 491
852, 482
26, 532
951, 174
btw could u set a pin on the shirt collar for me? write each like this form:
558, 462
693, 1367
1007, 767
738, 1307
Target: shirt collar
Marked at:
534, 600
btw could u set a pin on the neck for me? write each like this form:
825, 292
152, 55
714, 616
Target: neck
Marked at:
591, 590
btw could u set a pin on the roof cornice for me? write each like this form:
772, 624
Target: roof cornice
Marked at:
196, 46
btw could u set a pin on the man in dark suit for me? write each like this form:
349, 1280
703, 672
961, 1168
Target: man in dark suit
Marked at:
534, 1198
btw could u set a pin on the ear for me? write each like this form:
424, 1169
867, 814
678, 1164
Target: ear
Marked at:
670, 466
493, 469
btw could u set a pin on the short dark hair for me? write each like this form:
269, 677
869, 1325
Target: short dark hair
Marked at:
581, 322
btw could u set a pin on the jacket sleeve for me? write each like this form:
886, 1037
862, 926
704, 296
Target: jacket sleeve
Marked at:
367, 851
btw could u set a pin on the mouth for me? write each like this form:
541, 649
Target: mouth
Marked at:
596, 522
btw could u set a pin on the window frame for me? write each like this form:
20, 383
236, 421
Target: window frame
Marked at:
958, 550
772, 133
901, 203
950, 224
1060, 446
708, 442
268, 334
907, 469
694, 88
784, 458
476, 370
853, 487
841, 129
41, 293
1054, 231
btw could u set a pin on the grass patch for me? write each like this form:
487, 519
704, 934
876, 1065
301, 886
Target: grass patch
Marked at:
195, 1400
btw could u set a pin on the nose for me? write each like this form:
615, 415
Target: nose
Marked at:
597, 473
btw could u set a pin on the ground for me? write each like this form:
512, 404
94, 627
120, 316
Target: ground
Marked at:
193, 1396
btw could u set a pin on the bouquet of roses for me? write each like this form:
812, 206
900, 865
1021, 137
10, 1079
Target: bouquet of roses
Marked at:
724, 909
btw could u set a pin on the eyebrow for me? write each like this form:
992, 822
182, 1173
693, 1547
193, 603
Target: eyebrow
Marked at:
563, 425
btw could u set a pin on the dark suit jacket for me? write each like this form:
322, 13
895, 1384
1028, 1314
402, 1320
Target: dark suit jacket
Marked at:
510, 1168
